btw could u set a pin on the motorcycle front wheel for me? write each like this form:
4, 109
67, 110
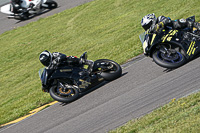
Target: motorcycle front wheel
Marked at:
64, 93
114, 72
169, 57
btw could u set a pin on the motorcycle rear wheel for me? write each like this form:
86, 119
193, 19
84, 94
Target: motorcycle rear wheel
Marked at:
58, 94
24, 16
170, 61
52, 5
113, 73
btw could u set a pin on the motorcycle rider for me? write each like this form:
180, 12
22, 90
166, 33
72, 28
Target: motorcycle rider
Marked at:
17, 4
152, 24
52, 60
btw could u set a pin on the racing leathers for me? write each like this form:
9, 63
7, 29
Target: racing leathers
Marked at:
25, 4
163, 22
58, 58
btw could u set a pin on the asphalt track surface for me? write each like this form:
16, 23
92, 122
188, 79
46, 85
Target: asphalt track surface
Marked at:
143, 87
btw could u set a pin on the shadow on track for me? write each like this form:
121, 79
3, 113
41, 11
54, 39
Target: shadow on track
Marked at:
169, 70
93, 89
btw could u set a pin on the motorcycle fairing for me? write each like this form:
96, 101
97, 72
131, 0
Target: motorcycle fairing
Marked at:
169, 36
188, 44
191, 50
144, 40
192, 18
44, 73
64, 72
7, 9
173, 37
86, 83
26, 3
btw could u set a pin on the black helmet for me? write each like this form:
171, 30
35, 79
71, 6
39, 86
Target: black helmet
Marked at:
45, 58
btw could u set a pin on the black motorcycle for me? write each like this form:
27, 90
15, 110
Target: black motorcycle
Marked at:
66, 83
171, 48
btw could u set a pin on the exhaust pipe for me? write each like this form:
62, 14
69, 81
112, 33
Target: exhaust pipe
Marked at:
14, 17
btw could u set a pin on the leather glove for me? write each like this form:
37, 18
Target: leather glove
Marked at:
196, 25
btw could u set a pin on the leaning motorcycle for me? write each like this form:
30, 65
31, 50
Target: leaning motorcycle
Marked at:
26, 9
171, 48
66, 83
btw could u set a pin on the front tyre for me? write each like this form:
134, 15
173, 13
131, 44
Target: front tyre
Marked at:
113, 72
64, 92
170, 58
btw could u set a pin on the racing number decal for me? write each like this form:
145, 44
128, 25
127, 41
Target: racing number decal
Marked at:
169, 36
191, 48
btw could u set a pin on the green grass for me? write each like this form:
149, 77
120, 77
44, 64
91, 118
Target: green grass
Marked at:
179, 116
104, 28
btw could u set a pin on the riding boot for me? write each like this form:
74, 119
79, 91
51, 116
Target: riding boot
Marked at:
90, 64
196, 25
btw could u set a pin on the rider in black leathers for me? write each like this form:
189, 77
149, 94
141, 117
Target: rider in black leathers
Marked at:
52, 60
153, 25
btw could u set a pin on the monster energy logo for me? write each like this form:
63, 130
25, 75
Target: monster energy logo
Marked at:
169, 36
191, 48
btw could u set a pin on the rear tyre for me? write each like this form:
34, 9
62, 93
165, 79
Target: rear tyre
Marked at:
113, 73
52, 5
24, 16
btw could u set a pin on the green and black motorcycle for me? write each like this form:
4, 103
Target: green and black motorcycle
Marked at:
171, 48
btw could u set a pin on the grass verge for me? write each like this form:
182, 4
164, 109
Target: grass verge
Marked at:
104, 28
179, 116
